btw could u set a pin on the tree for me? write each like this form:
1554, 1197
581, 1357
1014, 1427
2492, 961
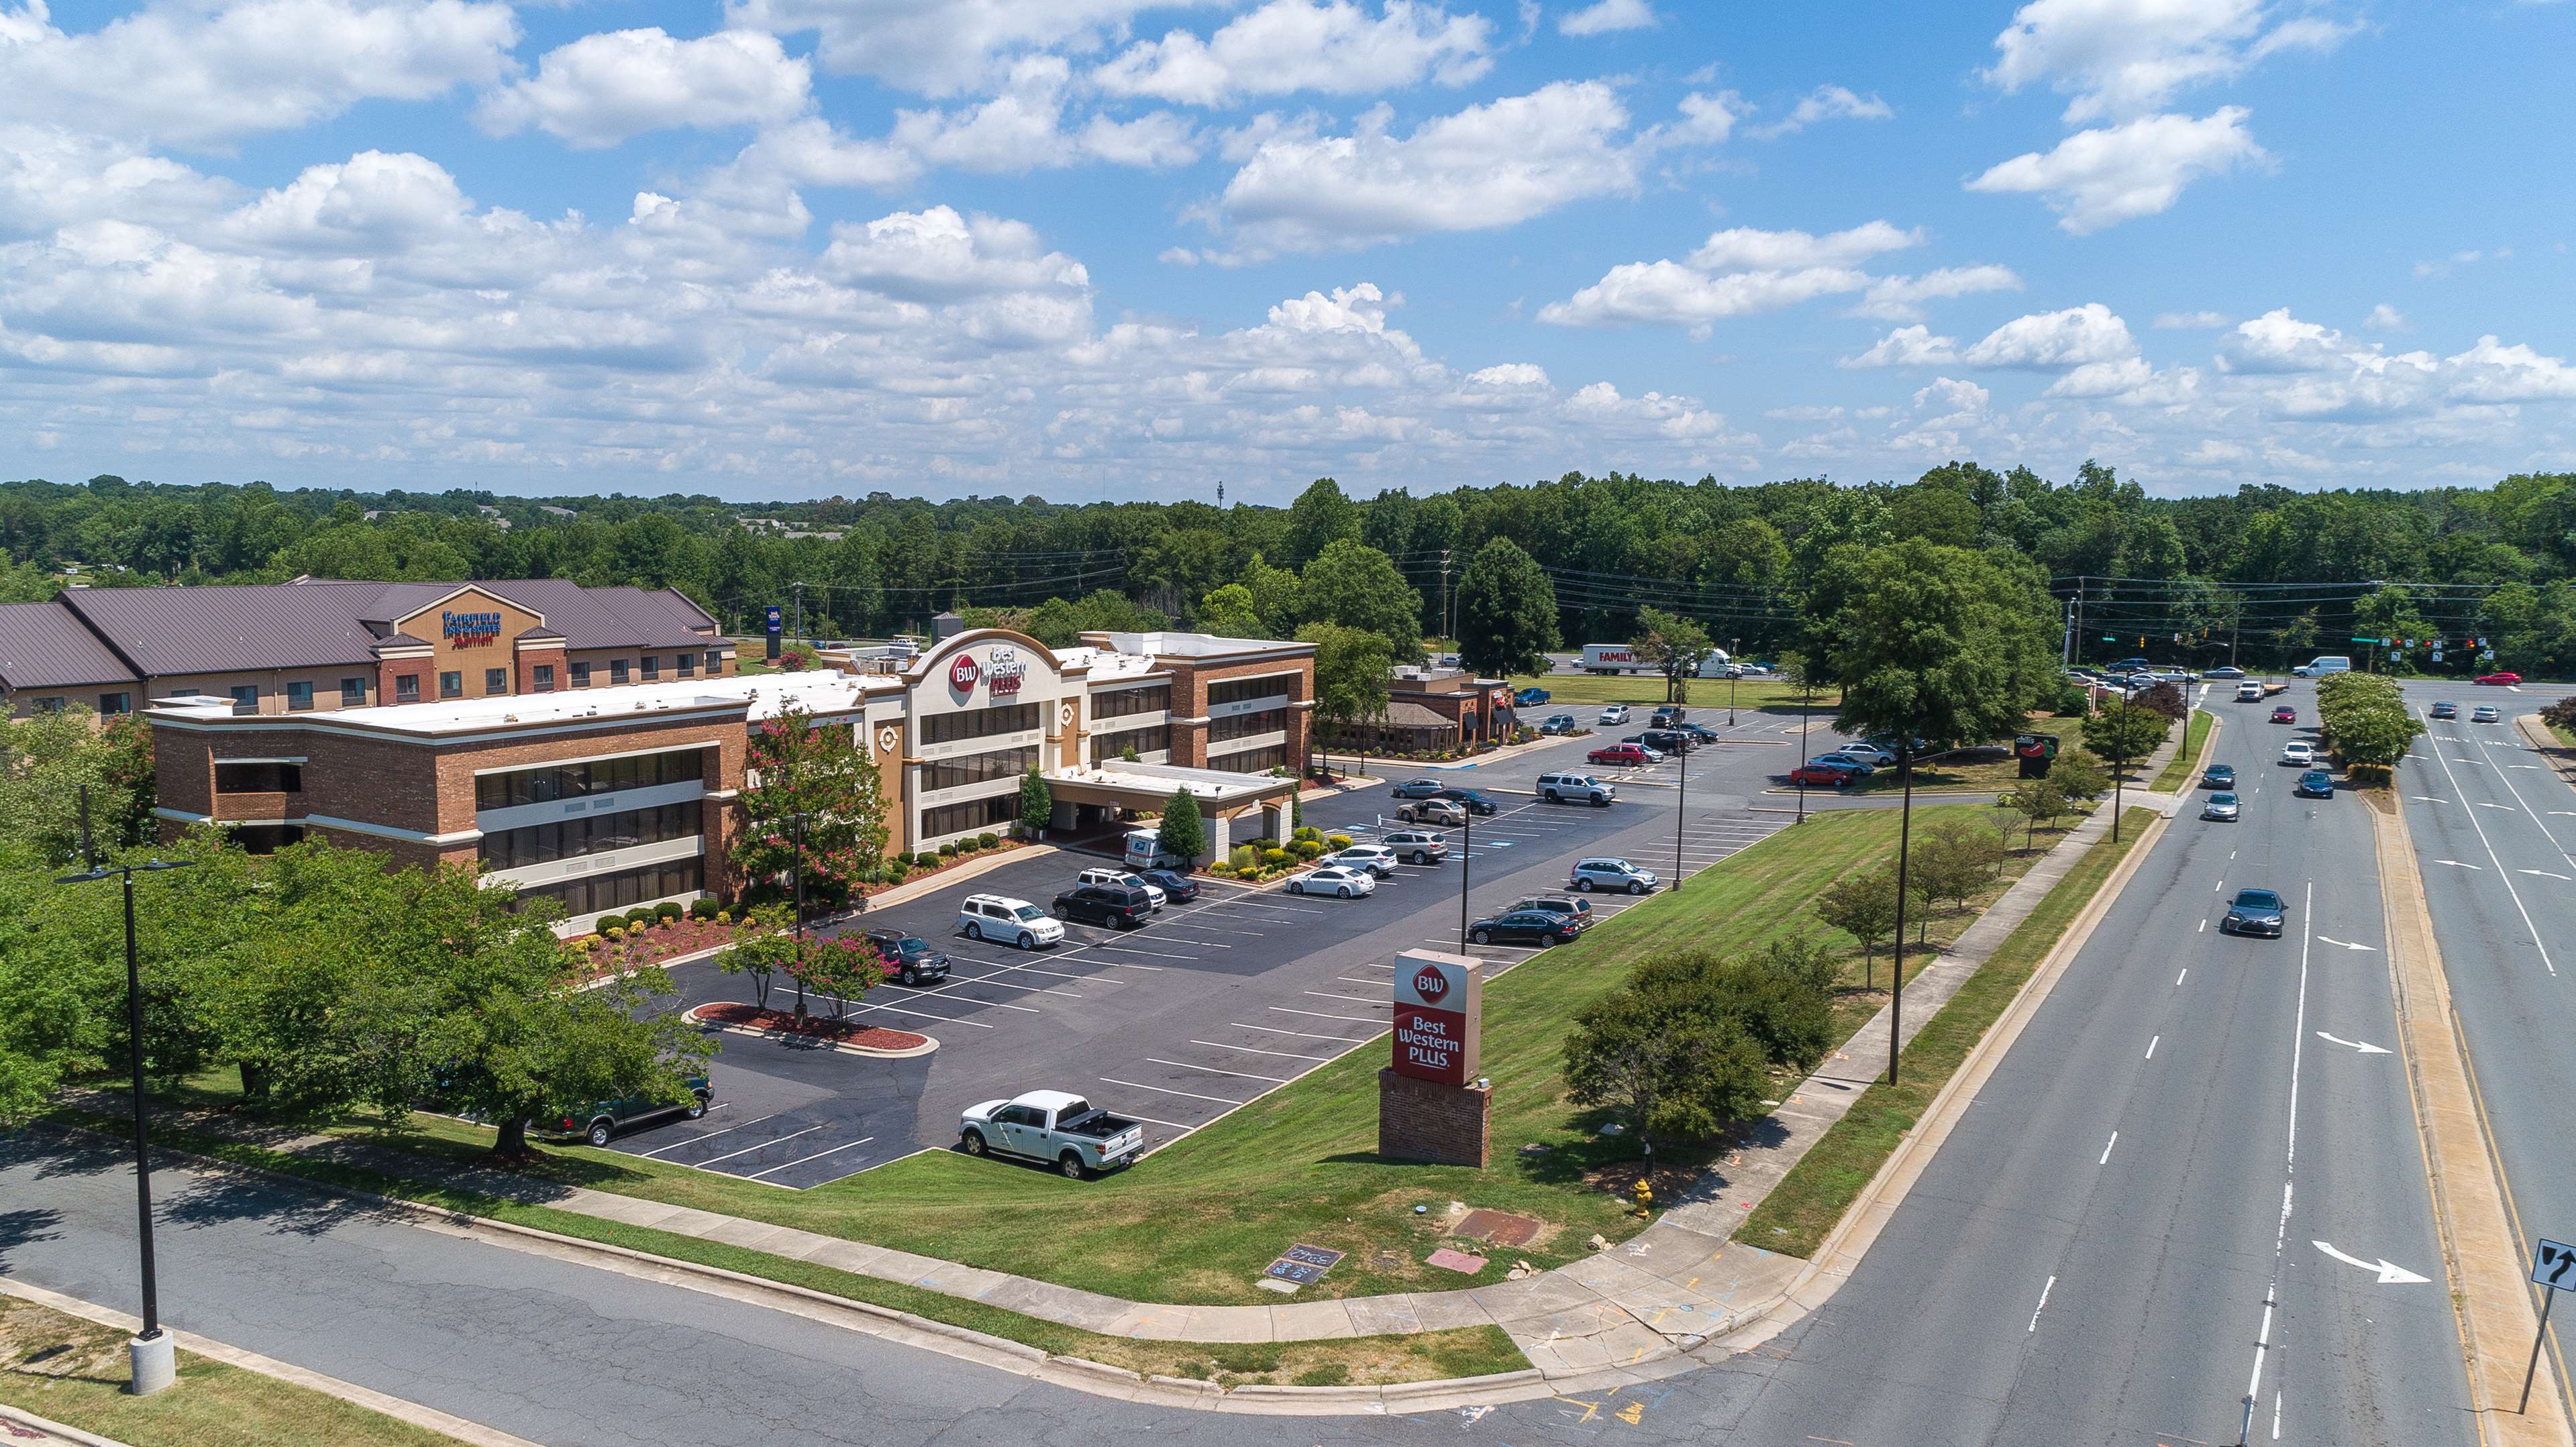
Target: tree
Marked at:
823, 774
1182, 831
2125, 733
1356, 586
1506, 612
754, 950
2042, 801
1675, 645
1037, 802
46, 759
1956, 860
2079, 776
1666, 1068
1228, 612
1320, 517
840, 968
1861, 904
524, 1051
1352, 667
1780, 997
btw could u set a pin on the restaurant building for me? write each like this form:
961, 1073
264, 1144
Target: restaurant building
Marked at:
609, 797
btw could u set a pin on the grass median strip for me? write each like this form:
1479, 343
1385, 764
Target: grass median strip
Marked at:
1805, 1206
2186, 760
74, 1372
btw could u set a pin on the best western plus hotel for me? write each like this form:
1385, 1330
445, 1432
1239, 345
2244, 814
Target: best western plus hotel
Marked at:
608, 791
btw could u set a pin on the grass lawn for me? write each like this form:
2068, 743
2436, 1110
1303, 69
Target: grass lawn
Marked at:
1804, 1207
75, 1371
2564, 734
1196, 1222
2186, 760
1573, 692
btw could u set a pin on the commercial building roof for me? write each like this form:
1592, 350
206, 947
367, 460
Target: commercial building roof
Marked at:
1194, 645
764, 696
1212, 786
44, 646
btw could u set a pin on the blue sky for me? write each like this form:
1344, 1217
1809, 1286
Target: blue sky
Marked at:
1098, 248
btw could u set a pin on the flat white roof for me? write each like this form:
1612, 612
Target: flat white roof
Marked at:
1199, 645
766, 695
1160, 780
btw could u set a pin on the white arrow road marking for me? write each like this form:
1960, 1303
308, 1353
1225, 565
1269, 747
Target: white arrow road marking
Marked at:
2390, 1274
2427, 799
2455, 864
2543, 873
2339, 944
2483, 804
2364, 1046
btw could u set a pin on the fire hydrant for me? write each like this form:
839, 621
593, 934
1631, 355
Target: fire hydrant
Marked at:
1645, 1194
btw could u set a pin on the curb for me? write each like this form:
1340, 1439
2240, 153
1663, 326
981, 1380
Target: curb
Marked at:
19, 1421
928, 1044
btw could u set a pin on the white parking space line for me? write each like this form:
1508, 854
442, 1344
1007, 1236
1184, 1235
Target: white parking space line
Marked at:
1251, 1050
1212, 1070
920, 1014
1015, 985
1352, 999
818, 1155
1168, 1124
708, 1135
1321, 1015
1141, 950
1166, 1090
1300, 1034
764, 1145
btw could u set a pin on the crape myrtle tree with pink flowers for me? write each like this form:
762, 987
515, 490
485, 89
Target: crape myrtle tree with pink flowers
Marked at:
810, 803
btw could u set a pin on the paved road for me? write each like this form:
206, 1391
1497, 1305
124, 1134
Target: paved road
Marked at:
2494, 826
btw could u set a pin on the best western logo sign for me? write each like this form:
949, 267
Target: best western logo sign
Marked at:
470, 627
1439, 1016
1004, 672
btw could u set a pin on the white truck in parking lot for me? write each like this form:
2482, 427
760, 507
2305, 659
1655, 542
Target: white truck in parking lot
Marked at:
1051, 1125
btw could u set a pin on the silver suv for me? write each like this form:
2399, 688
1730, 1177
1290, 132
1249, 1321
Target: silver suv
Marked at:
1577, 789
1418, 846
1611, 874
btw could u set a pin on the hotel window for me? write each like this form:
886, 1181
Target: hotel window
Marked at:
49, 705
977, 769
617, 670
575, 838
972, 815
451, 685
496, 680
246, 697
407, 688
1245, 725
353, 693
688, 665
715, 661
582, 898
581, 675
1143, 741
545, 677
299, 697
258, 777
115, 703
1251, 761
598, 776
1119, 703
652, 667
1238, 689
981, 723
266, 838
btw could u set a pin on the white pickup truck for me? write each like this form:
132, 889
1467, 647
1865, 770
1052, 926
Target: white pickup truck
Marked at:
1051, 1125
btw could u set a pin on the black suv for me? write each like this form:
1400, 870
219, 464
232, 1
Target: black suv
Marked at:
908, 958
1114, 905
1470, 800
1667, 716
1670, 741
1697, 733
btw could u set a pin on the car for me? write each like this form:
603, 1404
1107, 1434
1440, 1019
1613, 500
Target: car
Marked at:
2298, 754
1448, 660
2221, 806
1610, 874
1113, 905
1125, 879
1419, 846
1758, 670
2500, 680
2315, 784
1473, 801
2129, 665
1574, 905
1418, 789
1628, 754
1377, 859
1870, 754
1854, 762
1831, 776
1432, 811
1051, 1125
908, 958
1526, 926
1666, 715
1177, 887
1558, 724
1009, 921
1697, 733
2249, 692
2225, 670
1531, 697
599, 1122
1562, 788
1664, 742
2285, 715
2485, 713
2220, 776
2444, 708
2254, 912
1616, 713
1336, 880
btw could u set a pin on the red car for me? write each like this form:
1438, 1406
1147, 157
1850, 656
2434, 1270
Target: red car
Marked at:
2285, 714
1832, 776
2501, 680
1617, 754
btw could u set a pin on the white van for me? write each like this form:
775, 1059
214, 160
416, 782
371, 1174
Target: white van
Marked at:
2323, 664
1145, 851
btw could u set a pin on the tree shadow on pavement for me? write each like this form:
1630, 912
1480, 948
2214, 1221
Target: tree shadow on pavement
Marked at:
25, 1228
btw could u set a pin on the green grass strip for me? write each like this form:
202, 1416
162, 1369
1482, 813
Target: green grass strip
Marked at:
1798, 1214
2186, 760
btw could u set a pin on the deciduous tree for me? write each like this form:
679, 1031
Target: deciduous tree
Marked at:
822, 773
1506, 612
1861, 904
1183, 832
1675, 645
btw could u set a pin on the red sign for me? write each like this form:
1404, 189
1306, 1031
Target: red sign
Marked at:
1430, 984
963, 673
1439, 1016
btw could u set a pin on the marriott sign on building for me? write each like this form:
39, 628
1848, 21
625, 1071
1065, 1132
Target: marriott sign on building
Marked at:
1431, 1104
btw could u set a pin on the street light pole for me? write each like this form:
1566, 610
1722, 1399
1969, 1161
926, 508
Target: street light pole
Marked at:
1806, 708
1466, 854
1681, 804
798, 833
1734, 675
1904, 838
2120, 770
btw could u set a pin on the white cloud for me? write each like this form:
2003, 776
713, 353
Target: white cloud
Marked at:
2125, 58
1668, 292
2493, 372
1606, 16
1824, 103
51, 177
2193, 321
605, 88
2458, 259
1901, 298
944, 47
2385, 318
1751, 248
1331, 46
2277, 342
2075, 337
212, 72
1152, 142
2098, 178
1913, 346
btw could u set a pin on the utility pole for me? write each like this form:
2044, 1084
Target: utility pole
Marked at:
2079, 610
800, 609
1466, 853
2066, 652
1448, 626
1734, 675
1681, 804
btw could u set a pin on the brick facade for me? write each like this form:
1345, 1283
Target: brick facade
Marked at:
1422, 1120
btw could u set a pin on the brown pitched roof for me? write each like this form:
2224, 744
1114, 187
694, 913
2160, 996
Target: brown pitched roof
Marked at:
43, 645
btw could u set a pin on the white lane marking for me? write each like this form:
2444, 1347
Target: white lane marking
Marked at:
764, 1145
2339, 944
1251, 1050
818, 1155
2543, 873
2043, 1303
2289, 1166
2276, 1414
1300, 1034
2498, 860
1321, 1015
1172, 1124
2427, 799
1212, 1070
2508, 808
2390, 1274
2364, 1046
2151, 1047
2204, 929
1347, 999
2106, 1149
2178, 979
2480, 868
710, 1135
1166, 1090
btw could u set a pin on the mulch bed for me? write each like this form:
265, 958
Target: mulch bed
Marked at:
818, 1027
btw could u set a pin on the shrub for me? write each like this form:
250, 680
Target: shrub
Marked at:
988, 840
1338, 841
1265, 844
667, 911
1222, 868
613, 933
1306, 848
967, 846
638, 916
723, 916
1305, 831
1274, 858
607, 922
947, 851
702, 908
1244, 858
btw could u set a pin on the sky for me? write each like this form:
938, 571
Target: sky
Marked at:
1092, 249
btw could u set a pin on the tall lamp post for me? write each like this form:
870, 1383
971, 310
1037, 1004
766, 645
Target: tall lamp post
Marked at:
1466, 853
151, 1355
1681, 804
1734, 675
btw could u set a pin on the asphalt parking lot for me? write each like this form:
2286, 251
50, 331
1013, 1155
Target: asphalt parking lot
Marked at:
1216, 1001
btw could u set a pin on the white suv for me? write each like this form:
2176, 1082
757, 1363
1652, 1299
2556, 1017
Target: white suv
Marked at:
1010, 921
1122, 879
1578, 788
1617, 874
2249, 692
1377, 859
1616, 713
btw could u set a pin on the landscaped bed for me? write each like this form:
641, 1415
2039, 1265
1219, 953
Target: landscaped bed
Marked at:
848, 1034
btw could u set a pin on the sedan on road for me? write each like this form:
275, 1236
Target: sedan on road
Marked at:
1558, 724
2285, 715
1432, 811
2220, 776
2221, 806
2299, 754
1335, 880
2485, 713
1526, 927
2254, 912
2315, 784
1846, 759
2444, 708
1177, 887
2500, 680
2225, 670
1418, 789
1868, 753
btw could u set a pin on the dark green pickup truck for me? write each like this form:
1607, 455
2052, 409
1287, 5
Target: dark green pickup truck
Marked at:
600, 1122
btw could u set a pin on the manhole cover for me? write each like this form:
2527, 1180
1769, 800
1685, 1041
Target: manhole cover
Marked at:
1500, 1227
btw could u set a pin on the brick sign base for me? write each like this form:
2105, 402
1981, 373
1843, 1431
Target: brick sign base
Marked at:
1423, 1120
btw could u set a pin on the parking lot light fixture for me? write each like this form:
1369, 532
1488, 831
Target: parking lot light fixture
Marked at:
1681, 812
1466, 857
